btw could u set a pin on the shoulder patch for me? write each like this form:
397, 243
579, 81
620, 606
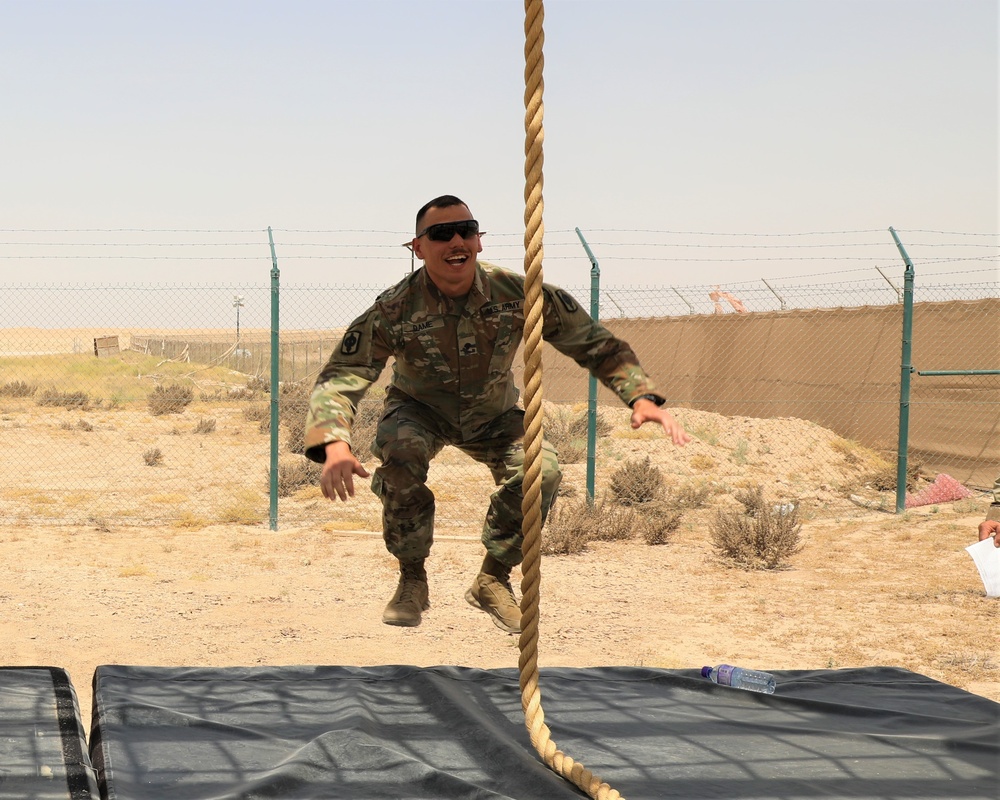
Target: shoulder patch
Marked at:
567, 300
351, 342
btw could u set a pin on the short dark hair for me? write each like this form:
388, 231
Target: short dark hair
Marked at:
444, 201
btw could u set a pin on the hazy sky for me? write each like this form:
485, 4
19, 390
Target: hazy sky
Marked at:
718, 116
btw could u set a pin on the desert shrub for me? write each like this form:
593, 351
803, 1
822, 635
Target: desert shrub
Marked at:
205, 425
294, 473
761, 536
658, 520
153, 457
293, 405
883, 478
241, 393
572, 452
53, 397
18, 389
636, 482
565, 429
84, 425
365, 427
259, 385
171, 399
693, 494
255, 412
572, 525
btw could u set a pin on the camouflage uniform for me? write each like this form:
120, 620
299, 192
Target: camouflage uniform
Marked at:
452, 385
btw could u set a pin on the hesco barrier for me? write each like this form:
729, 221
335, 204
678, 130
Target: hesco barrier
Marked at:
837, 367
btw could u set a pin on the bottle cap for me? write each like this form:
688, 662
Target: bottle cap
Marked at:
706, 671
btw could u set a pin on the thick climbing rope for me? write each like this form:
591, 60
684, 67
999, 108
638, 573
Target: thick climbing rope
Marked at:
531, 700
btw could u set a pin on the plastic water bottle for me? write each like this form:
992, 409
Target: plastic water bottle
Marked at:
739, 678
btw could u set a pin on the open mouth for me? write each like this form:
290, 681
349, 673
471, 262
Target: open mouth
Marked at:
457, 259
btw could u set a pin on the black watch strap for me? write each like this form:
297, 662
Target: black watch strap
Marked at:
655, 398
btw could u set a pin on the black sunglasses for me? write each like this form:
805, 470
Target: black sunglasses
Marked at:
445, 231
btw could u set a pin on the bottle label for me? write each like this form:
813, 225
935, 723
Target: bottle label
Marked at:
725, 675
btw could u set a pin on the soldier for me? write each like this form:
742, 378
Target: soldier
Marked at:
990, 527
454, 327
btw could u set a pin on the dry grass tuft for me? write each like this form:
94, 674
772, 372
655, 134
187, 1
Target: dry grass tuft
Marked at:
18, 389
246, 509
190, 521
153, 457
883, 479
761, 536
702, 463
205, 425
171, 399
53, 397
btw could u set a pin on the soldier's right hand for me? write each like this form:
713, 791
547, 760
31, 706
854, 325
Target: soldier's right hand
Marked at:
990, 529
339, 469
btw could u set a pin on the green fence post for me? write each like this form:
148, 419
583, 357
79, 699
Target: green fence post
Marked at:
275, 388
595, 314
905, 370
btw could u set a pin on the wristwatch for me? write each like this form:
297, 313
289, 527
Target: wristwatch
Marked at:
655, 398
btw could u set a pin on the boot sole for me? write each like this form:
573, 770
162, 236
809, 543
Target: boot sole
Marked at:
402, 623
474, 602
406, 623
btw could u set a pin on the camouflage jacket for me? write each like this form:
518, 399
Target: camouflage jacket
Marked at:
455, 356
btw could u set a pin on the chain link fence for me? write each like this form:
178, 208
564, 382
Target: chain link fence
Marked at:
151, 404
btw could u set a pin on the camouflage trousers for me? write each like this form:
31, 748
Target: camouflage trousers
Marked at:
408, 438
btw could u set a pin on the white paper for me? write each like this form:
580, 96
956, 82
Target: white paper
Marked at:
987, 558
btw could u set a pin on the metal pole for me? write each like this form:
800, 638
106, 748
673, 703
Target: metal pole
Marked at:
905, 370
595, 314
958, 372
781, 299
682, 297
899, 294
275, 388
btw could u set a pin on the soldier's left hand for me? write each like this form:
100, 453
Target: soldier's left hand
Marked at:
647, 411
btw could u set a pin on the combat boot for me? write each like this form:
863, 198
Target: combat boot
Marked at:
492, 593
411, 597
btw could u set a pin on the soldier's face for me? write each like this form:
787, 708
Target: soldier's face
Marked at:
451, 264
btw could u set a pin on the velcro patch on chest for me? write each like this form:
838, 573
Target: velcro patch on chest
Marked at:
411, 328
503, 308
